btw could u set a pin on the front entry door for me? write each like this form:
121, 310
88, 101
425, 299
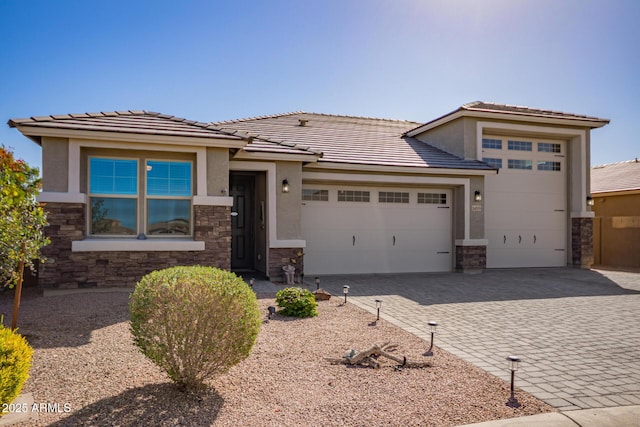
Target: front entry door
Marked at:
242, 224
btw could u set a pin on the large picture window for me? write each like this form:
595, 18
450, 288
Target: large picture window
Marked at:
117, 197
113, 188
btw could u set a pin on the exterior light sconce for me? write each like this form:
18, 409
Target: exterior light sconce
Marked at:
590, 201
345, 291
378, 306
285, 186
513, 367
432, 329
317, 283
477, 196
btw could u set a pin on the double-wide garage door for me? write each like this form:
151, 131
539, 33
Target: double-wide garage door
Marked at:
352, 229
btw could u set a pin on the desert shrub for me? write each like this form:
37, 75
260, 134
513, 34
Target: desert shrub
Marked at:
194, 322
15, 362
297, 302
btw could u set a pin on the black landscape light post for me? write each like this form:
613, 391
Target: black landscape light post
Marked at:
345, 291
378, 305
251, 282
271, 310
317, 283
513, 367
432, 328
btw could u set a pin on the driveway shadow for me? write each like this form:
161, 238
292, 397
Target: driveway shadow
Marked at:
491, 285
151, 405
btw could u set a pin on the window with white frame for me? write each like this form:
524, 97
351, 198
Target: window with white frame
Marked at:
113, 191
117, 196
168, 197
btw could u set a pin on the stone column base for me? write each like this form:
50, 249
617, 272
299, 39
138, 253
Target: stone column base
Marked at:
582, 242
471, 259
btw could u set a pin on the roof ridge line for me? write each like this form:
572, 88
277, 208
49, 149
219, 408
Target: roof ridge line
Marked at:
266, 116
363, 117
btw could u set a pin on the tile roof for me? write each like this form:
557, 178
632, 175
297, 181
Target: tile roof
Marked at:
138, 121
523, 110
352, 140
622, 176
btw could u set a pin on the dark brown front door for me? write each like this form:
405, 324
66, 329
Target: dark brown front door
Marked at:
242, 224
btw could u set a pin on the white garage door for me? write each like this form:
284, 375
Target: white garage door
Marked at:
351, 229
525, 204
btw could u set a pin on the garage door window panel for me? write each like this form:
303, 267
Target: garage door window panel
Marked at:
354, 196
315, 195
519, 164
493, 144
520, 145
548, 147
393, 197
549, 166
432, 198
496, 163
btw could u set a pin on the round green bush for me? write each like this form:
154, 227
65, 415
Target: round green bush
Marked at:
15, 362
297, 302
194, 322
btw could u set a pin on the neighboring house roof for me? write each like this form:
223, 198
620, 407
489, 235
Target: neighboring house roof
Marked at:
622, 176
351, 140
137, 122
511, 112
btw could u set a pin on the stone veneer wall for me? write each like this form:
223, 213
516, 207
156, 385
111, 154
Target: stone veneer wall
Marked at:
279, 257
582, 242
66, 269
471, 258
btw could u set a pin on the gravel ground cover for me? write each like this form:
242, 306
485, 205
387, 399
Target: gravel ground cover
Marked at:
85, 358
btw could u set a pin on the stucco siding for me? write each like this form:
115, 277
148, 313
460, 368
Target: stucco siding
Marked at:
447, 137
55, 164
288, 211
217, 171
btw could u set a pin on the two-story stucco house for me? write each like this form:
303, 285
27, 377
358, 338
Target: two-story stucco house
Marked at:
485, 186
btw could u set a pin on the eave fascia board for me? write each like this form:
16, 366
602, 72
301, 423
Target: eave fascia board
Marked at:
222, 142
629, 192
409, 170
256, 155
566, 121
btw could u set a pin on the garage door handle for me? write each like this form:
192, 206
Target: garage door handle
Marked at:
504, 240
534, 239
394, 240
519, 239
354, 241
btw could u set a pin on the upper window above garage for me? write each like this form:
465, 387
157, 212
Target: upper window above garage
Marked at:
520, 145
353, 196
495, 144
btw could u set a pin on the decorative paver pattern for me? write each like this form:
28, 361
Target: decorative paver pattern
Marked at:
577, 331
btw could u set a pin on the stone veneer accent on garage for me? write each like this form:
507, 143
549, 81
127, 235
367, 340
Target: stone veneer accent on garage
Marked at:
582, 242
471, 259
66, 269
278, 257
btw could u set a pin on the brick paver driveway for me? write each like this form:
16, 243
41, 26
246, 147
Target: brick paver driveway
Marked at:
577, 331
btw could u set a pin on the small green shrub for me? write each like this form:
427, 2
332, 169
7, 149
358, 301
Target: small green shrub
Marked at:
15, 362
297, 302
194, 322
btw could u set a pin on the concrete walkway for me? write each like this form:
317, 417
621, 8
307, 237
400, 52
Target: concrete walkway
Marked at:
577, 331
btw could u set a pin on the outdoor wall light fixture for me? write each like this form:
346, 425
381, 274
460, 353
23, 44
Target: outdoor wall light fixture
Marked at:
317, 283
378, 305
285, 186
345, 291
477, 196
432, 328
513, 367
590, 201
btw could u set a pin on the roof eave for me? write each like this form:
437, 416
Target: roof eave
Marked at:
431, 170
590, 122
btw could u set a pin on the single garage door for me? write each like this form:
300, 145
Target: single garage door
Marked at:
352, 229
525, 203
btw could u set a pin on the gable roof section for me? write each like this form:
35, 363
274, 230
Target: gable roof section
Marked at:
511, 112
351, 140
622, 176
131, 122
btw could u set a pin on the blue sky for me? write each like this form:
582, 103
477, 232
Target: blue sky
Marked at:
401, 59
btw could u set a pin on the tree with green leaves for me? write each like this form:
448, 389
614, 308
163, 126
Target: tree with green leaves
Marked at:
22, 219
